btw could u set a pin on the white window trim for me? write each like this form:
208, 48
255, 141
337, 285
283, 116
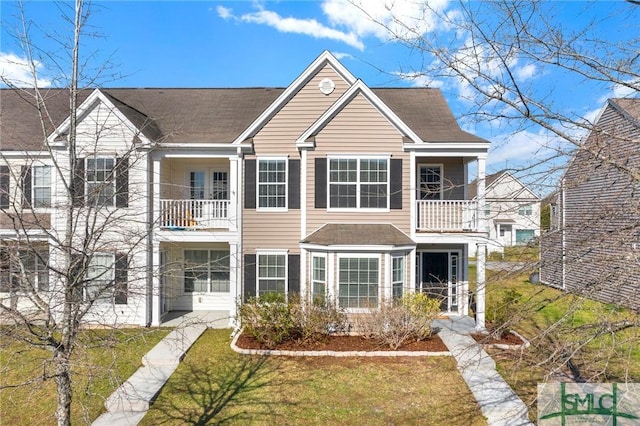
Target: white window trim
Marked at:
49, 208
379, 258
441, 165
326, 274
104, 299
200, 293
404, 273
284, 253
113, 180
286, 184
358, 184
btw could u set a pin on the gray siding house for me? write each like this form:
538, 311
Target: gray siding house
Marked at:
593, 246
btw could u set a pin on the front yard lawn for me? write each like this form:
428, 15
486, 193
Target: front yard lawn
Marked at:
103, 360
572, 338
216, 385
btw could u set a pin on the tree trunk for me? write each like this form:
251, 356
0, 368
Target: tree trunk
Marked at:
63, 387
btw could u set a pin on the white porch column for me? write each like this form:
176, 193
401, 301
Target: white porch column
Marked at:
481, 285
464, 308
235, 271
155, 279
154, 258
234, 193
480, 194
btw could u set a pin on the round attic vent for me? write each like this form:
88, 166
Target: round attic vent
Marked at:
326, 86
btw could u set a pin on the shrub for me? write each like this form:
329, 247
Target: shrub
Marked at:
397, 322
319, 319
500, 314
272, 320
268, 319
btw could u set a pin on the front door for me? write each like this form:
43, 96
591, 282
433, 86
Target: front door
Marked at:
438, 277
208, 190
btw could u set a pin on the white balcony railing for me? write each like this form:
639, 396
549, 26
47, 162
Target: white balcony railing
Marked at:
446, 215
194, 214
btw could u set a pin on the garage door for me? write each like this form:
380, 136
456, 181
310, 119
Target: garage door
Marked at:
523, 236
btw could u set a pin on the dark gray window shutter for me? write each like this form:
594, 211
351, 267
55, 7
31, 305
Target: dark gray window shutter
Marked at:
5, 268
25, 177
321, 183
4, 187
78, 183
121, 275
76, 279
294, 184
395, 183
250, 184
294, 274
249, 276
122, 182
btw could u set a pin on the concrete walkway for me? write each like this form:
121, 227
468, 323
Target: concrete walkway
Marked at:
498, 402
130, 402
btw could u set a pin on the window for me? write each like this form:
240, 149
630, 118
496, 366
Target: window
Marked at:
430, 182
220, 186
358, 282
196, 185
525, 210
24, 269
272, 273
358, 183
100, 181
318, 278
487, 209
397, 276
206, 271
41, 186
100, 277
272, 183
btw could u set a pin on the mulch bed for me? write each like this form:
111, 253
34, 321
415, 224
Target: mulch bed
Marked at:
346, 343
506, 339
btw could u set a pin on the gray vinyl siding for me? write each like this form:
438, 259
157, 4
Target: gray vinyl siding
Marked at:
453, 188
358, 129
602, 215
281, 230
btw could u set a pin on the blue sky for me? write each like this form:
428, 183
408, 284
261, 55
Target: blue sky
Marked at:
251, 43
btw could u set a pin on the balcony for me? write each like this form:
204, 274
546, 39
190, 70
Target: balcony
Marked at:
195, 214
446, 216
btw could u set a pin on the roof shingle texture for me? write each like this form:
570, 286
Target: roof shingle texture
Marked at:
206, 115
346, 234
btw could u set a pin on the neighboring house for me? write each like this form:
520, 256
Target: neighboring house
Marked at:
593, 246
512, 211
326, 187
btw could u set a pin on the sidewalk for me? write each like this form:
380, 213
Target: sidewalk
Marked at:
498, 402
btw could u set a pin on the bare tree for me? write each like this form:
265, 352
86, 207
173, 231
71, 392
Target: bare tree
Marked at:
76, 252
487, 53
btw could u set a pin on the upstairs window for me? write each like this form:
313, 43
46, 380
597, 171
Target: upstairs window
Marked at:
41, 186
358, 183
272, 183
101, 183
430, 182
525, 210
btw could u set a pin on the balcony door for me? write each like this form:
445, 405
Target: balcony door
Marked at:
205, 187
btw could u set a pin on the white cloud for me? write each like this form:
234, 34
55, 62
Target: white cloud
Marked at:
524, 147
419, 79
224, 12
526, 72
385, 18
15, 71
342, 55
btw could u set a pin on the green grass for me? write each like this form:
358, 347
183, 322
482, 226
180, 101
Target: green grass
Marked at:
103, 360
216, 385
517, 254
564, 327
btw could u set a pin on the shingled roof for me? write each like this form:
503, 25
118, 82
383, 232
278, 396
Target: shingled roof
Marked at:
207, 115
359, 234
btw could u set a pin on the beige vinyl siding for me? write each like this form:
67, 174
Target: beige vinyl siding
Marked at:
453, 180
358, 129
281, 230
100, 131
